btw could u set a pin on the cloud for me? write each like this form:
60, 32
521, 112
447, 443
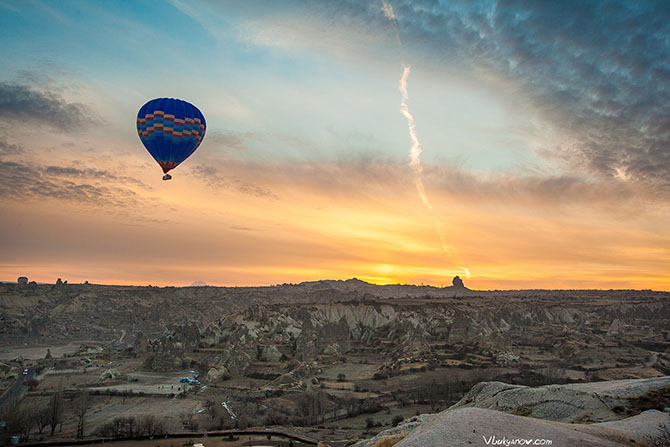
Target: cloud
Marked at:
7, 148
366, 178
76, 172
237, 141
216, 179
22, 103
537, 191
22, 181
597, 71
90, 173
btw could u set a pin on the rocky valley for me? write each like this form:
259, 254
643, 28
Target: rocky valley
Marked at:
334, 360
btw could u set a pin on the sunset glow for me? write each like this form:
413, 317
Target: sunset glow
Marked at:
536, 178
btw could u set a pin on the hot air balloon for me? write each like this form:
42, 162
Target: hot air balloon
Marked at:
171, 130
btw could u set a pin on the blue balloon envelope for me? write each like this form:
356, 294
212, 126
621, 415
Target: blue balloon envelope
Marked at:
171, 130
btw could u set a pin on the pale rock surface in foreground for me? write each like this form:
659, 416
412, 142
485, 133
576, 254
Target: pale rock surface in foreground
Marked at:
558, 413
474, 426
578, 402
481, 427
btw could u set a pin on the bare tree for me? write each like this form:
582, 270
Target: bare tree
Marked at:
211, 408
322, 404
25, 422
80, 406
55, 409
18, 419
130, 425
313, 404
150, 425
242, 422
120, 426
42, 417
220, 418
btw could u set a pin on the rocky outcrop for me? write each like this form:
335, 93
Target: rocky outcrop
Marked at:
111, 374
403, 428
309, 331
269, 354
9, 372
166, 361
616, 327
66, 312
403, 328
169, 351
90, 351
640, 429
585, 402
465, 427
297, 372
181, 338
217, 374
507, 359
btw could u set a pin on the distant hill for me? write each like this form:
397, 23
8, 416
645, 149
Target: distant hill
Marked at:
390, 290
199, 284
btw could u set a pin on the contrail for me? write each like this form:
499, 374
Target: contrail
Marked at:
415, 148
388, 10
415, 151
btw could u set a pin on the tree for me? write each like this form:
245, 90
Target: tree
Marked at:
312, 404
24, 421
211, 408
341, 377
42, 417
150, 425
80, 407
242, 422
55, 409
18, 419
120, 426
219, 417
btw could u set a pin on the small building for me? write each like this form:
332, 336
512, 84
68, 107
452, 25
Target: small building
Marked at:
22, 280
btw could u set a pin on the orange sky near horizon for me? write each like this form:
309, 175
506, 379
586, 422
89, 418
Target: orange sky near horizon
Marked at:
372, 227
545, 143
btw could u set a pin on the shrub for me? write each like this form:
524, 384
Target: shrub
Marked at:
390, 441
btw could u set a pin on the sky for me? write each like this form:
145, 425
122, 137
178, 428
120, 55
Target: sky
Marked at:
543, 133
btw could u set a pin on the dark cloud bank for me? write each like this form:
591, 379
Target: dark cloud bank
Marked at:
598, 70
23, 103
22, 181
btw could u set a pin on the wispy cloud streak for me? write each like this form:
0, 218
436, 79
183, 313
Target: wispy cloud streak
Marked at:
415, 148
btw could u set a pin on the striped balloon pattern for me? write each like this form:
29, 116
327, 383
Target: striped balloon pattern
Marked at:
171, 130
